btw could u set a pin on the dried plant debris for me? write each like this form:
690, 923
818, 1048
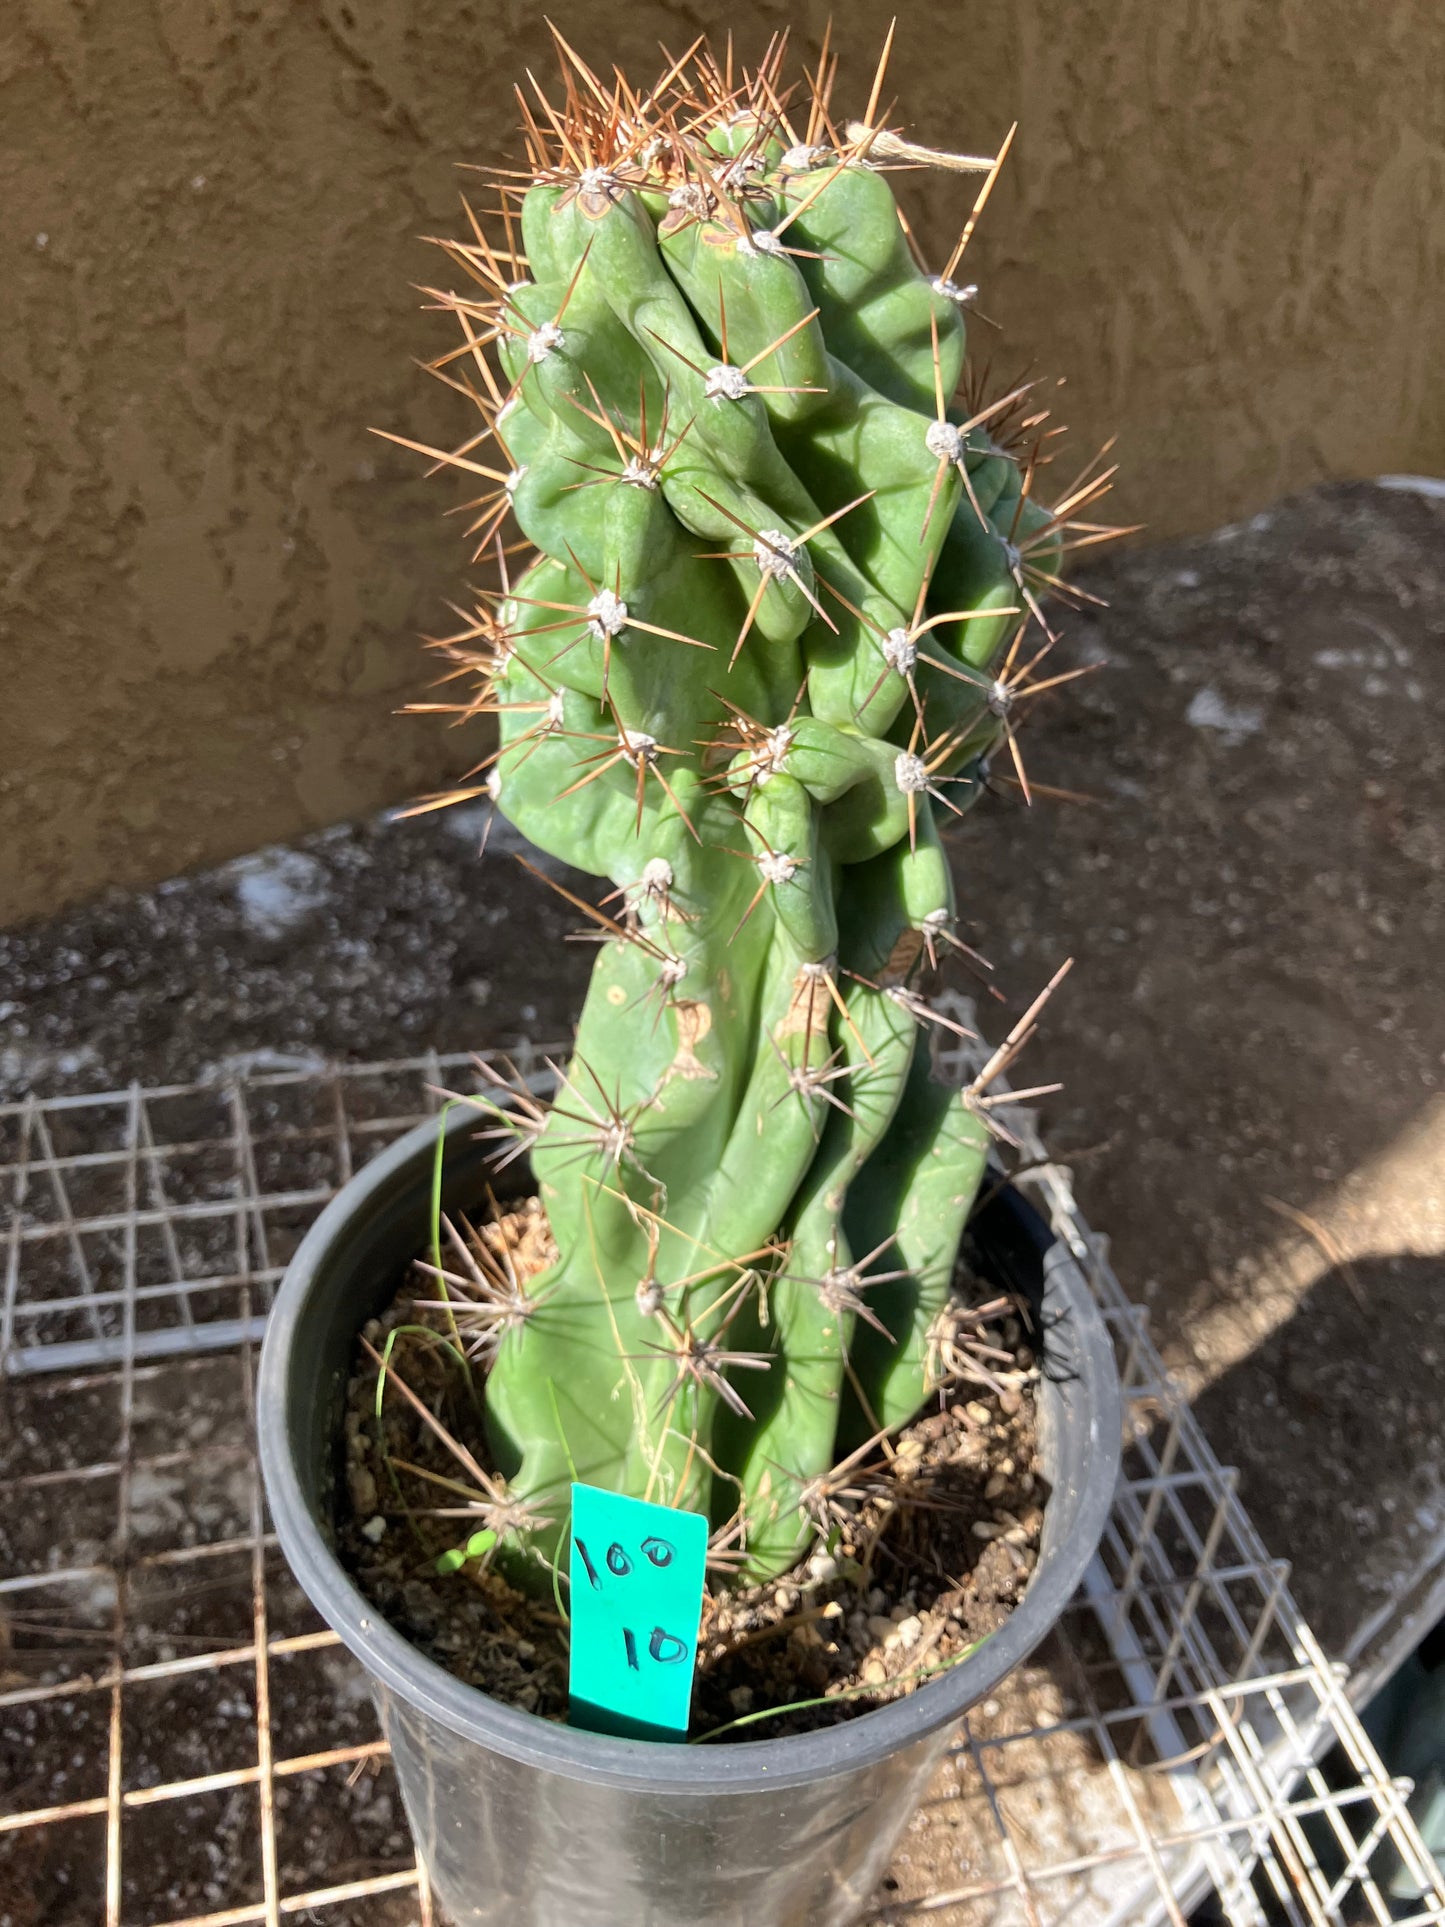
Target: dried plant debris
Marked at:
925, 1539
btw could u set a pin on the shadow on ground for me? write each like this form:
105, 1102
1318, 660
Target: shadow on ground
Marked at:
1333, 1421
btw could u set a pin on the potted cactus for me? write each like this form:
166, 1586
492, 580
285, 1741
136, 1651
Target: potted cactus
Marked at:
785, 606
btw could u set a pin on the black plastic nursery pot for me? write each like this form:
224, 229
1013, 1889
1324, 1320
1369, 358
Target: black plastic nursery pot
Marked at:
523, 1822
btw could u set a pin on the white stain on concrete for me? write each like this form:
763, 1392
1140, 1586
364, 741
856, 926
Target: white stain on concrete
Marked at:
32, 1068
1377, 660
469, 822
1234, 721
479, 823
277, 888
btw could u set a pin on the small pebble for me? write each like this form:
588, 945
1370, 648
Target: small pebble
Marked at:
822, 1566
874, 1672
741, 1699
877, 1600
787, 1598
910, 1449
980, 1414
985, 1529
374, 1529
361, 1488
997, 1485
909, 1631
880, 1626
833, 1610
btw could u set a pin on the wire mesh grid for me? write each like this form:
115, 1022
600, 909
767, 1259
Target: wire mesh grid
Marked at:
188, 1744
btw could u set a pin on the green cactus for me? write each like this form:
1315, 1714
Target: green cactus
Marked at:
776, 621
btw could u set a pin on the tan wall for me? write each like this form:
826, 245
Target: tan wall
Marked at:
1225, 220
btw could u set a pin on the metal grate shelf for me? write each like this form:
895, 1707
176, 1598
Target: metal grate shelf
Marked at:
185, 1743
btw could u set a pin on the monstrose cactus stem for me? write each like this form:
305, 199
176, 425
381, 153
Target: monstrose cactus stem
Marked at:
784, 606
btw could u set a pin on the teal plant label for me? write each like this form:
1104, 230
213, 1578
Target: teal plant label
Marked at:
637, 1576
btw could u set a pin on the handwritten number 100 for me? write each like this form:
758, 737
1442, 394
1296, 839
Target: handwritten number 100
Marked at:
657, 1552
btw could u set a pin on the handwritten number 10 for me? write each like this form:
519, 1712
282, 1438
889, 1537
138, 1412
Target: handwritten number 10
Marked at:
666, 1648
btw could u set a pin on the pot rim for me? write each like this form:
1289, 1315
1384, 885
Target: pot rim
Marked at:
652, 1766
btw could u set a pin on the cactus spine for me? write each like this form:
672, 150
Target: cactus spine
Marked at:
777, 621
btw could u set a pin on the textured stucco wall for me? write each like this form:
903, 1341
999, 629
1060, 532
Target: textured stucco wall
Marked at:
1224, 220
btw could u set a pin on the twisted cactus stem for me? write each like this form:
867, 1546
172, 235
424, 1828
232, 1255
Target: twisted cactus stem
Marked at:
779, 614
